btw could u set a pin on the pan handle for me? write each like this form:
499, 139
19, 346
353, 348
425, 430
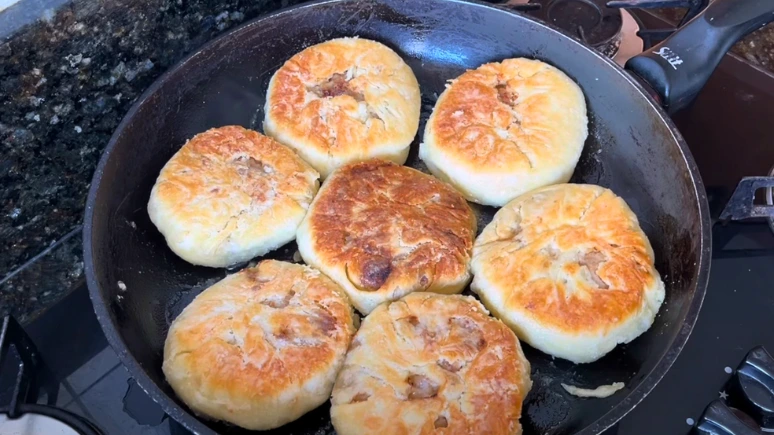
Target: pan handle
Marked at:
679, 67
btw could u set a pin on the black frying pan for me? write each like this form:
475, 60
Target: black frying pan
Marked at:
633, 148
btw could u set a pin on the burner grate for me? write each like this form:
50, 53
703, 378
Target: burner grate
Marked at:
653, 36
590, 20
606, 25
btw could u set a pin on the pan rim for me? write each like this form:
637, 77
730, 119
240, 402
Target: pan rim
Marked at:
186, 418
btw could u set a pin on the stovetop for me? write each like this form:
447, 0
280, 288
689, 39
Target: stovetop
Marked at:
730, 135
735, 318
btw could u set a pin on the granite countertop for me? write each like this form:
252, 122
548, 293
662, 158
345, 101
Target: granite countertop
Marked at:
67, 78
66, 81
757, 48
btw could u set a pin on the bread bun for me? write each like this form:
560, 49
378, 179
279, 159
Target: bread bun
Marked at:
344, 100
261, 347
504, 129
382, 231
431, 364
569, 269
229, 195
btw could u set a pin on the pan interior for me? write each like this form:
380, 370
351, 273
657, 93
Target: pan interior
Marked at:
630, 149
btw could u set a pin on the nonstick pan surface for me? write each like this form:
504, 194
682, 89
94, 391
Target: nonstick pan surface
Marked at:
632, 148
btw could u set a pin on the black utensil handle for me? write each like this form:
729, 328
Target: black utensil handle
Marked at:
678, 67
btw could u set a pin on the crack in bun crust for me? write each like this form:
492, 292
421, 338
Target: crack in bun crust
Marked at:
230, 195
568, 268
431, 364
504, 129
382, 230
344, 100
261, 347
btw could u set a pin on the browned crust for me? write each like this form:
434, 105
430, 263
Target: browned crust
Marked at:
257, 334
431, 364
216, 162
343, 100
585, 235
230, 194
391, 228
514, 115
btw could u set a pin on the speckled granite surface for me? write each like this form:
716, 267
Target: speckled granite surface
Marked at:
66, 80
65, 83
757, 48
47, 278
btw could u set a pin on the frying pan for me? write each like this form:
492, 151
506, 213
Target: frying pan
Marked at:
632, 148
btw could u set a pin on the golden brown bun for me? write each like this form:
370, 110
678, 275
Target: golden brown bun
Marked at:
569, 269
431, 364
229, 195
382, 231
342, 101
261, 347
504, 129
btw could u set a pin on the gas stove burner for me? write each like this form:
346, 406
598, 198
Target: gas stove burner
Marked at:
590, 20
612, 31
